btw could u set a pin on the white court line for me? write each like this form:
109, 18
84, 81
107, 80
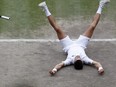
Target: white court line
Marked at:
51, 40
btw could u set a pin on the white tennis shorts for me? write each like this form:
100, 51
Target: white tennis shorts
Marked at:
81, 41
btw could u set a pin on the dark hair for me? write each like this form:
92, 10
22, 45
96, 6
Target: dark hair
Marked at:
78, 65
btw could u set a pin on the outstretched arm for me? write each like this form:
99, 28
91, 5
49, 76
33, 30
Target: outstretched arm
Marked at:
56, 68
99, 67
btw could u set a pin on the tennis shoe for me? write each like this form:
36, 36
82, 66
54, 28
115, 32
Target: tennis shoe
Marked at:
102, 3
42, 5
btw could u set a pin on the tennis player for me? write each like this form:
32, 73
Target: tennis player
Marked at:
75, 49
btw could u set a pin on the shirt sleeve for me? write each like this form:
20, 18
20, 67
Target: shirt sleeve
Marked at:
87, 60
67, 62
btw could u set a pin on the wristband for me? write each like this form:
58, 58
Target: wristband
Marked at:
100, 68
55, 69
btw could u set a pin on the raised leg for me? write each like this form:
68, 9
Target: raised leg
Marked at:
52, 21
92, 26
58, 30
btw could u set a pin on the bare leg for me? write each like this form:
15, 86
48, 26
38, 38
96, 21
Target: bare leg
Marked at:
52, 21
58, 30
91, 28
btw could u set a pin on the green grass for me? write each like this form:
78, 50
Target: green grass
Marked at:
26, 17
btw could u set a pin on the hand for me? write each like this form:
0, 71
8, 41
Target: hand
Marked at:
52, 72
100, 70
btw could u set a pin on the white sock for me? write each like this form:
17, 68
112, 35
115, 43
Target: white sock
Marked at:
47, 12
99, 10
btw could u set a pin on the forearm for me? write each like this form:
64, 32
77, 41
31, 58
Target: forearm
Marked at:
97, 64
56, 68
99, 67
59, 66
